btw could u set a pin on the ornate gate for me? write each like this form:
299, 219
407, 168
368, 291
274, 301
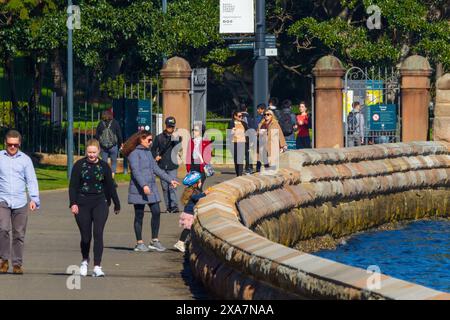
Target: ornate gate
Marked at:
378, 92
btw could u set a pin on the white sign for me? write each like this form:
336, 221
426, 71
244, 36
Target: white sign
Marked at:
271, 52
237, 16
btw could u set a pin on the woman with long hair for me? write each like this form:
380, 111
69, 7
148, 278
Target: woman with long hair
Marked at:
303, 140
269, 134
238, 128
143, 190
90, 191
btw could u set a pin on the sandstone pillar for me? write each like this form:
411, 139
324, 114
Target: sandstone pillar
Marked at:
176, 76
329, 128
415, 90
441, 124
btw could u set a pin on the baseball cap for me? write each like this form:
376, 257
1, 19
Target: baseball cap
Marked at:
170, 122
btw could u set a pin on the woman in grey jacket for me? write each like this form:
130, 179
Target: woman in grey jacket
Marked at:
143, 189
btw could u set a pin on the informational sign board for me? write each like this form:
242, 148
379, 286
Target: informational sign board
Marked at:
133, 115
237, 16
374, 92
291, 144
381, 117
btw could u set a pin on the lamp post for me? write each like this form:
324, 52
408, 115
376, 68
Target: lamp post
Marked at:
261, 67
69, 93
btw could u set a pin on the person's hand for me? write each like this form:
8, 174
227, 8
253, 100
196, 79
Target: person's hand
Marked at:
74, 209
174, 183
33, 205
116, 210
207, 191
147, 190
157, 158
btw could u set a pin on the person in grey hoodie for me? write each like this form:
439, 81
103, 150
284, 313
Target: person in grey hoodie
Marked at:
143, 190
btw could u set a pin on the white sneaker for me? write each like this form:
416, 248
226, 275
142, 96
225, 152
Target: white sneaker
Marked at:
98, 272
84, 268
180, 246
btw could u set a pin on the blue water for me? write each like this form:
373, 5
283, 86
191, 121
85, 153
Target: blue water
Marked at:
419, 253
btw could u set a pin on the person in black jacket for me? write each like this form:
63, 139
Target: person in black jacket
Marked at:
163, 152
109, 134
91, 189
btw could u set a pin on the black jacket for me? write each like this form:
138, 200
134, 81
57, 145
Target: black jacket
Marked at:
162, 146
115, 127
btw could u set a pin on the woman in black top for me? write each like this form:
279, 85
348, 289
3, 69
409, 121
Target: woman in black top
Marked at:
91, 190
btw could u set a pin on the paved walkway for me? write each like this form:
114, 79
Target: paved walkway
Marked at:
52, 244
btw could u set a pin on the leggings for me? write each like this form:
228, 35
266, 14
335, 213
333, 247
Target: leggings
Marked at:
184, 234
92, 213
139, 217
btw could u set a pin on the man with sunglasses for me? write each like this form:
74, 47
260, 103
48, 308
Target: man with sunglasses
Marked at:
16, 176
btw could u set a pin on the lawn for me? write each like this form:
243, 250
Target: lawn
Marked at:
55, 177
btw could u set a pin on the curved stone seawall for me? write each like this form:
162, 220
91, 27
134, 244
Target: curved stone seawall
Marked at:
236, 263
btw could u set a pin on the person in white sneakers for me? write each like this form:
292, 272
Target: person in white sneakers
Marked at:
90, 191
192, 193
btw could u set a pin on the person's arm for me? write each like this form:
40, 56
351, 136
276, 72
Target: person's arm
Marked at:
118, 133
155, 147
196, 197
110, 190
32, 183
74, 183
99, 130
135, 166
159, 172
361, 126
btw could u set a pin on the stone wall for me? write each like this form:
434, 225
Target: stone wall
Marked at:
236, 263
441, 125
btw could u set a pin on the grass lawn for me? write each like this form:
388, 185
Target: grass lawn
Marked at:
55, 177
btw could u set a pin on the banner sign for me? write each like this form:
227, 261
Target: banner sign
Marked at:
237, 16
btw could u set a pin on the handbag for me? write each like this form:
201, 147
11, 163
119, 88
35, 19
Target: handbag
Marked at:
209, 170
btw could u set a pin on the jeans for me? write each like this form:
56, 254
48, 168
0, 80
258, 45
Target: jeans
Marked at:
169, 193
113, 153
354, 141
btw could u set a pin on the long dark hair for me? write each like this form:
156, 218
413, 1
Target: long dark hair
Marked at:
134, 141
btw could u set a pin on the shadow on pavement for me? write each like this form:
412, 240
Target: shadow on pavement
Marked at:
195, 286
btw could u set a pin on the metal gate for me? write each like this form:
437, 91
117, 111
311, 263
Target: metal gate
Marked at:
378, 92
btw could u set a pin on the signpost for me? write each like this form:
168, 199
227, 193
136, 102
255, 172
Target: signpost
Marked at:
382, 117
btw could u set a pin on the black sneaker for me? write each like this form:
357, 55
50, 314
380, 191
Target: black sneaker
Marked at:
174, 210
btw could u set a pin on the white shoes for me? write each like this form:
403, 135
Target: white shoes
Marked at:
98, 272
84, 268
180, 246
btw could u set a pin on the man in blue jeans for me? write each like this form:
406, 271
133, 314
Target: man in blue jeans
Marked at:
162, 149
16, 176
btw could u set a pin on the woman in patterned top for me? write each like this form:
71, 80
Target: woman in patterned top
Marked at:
90, 191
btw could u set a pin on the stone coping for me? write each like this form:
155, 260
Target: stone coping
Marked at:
236, 263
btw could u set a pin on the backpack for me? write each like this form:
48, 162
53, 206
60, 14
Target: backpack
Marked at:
286, 124
352, 122
108, 139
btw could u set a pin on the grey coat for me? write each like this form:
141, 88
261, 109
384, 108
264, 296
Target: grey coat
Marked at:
143, 170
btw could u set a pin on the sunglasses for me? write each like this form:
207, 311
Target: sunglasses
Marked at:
149, 140
267, 115
15, 145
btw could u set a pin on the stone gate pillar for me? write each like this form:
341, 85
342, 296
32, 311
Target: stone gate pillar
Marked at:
176, 76
441, 122
415, 90
329, 128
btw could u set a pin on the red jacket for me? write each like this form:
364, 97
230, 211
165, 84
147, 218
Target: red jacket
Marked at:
206, 150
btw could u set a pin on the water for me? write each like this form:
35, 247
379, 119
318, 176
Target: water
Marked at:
419, 253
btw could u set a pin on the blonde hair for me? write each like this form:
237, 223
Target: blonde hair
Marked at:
93, 143
188, 192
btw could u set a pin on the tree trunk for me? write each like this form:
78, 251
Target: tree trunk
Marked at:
9, 67
59, 81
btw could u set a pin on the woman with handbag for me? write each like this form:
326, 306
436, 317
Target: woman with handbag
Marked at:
199, 153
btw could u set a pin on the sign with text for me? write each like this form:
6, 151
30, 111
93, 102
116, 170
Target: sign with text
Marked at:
237, 16
381, 117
